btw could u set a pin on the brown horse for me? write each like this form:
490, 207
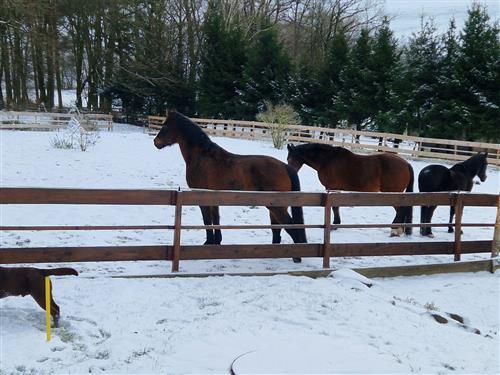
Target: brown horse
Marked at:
209, 166
340, 169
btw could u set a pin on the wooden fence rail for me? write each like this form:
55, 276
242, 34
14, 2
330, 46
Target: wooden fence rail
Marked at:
49, 120
358, 140
177, 251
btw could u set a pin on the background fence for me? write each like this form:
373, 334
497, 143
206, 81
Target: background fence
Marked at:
357, 140
177, 251
50, 121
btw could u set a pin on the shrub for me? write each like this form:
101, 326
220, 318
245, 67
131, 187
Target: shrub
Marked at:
61, 143
280, 116
84, 134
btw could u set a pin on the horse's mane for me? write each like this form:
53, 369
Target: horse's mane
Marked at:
322, 148
473, 164
191, 132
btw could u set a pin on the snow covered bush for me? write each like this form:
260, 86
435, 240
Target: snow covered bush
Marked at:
61, 143
88, 134
279, 116
83, 133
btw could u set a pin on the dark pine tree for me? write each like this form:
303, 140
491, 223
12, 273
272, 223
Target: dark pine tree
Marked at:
478, 69
336, 61
306, 93
355, 100
448, 114
386, 68
267, 72
419, 79
222, 62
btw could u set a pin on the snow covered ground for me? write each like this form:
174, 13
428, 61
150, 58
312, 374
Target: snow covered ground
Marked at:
126, 158
284, 324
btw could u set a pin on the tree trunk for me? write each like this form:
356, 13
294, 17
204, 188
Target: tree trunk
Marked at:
6, 67
1, 90
49, 55
35, 75
54, 38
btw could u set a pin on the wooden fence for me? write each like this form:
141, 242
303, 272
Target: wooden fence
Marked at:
50, 121
358, 140
176, 251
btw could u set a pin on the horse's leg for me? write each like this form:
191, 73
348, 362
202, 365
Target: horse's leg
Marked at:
452, 213
426, 217
216, 221
399, 218
206, 212
282, 217
336, 216
424, 213
276, 232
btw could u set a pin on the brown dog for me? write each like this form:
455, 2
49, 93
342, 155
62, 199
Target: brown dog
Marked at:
29, 280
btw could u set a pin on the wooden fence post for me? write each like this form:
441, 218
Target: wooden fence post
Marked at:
495, 246
177, 232
327, 229
459, 209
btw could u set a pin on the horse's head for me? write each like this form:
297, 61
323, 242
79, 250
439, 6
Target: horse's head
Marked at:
294, 159
483, 163
167, 136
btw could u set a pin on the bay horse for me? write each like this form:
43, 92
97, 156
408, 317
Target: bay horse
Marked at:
209, 166
437, 177
341, 169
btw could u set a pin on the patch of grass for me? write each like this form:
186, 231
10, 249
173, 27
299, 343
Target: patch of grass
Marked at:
66, 336
104, 354
430, 306
61, 143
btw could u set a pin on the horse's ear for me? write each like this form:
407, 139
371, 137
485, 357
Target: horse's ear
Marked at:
289, 147
171, 110
486, 154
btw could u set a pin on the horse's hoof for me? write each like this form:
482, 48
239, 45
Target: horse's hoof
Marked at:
207, 242
395, 233
297, 260
450, 230
430, 235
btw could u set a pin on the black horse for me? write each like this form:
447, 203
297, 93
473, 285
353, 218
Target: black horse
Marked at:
439, 178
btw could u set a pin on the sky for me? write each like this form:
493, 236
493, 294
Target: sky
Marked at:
407, 13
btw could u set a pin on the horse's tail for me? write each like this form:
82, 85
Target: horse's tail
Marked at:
297, 213
408, 210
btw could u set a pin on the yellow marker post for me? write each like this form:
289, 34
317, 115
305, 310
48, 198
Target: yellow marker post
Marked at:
47, 306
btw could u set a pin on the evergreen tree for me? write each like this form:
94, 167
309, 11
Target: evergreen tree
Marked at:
315, 88
386, 69
306, 94
478, 69
267, 71
336, 61
422, 58
448, 114
222, 62
355, 101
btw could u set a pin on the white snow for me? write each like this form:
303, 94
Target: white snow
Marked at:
187, 325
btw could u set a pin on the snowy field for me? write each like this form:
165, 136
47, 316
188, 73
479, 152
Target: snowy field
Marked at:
284, 324
126, 158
